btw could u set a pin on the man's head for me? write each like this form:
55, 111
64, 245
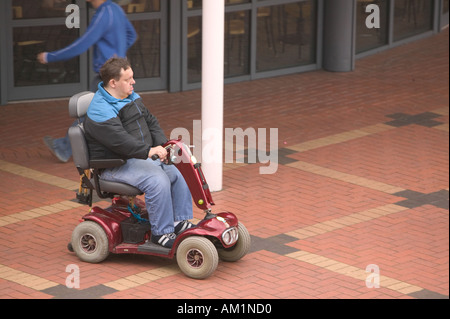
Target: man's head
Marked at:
117, 77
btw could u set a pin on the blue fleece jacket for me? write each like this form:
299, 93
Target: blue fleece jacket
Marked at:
109, 32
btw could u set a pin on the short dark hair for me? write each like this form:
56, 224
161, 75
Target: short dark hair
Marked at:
112, 68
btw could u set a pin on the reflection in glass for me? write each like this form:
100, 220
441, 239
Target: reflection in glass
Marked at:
194, 4
286, 36
237, 40
29, 41
412, 17
144, 55
197, 4
232, 2
194, 49
22, 9
139, 6
370, 38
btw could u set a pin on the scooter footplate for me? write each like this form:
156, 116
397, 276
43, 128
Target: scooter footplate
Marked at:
150, 247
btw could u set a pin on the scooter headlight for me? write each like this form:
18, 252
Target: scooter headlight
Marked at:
230, 236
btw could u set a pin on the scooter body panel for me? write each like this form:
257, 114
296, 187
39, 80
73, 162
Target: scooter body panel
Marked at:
110, 220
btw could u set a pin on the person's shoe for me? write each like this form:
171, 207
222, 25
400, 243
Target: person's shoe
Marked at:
182, 226
48, 141
166, 240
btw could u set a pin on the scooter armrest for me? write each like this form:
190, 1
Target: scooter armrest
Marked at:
106, 163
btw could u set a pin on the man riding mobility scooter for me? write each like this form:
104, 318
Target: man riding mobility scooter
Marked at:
124, 228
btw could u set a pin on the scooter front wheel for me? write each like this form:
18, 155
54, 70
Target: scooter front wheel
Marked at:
89, 242
197, 257
240, 249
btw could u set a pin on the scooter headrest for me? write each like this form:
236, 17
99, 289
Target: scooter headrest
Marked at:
79, 103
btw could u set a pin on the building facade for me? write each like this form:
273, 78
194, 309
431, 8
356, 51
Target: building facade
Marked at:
263, 38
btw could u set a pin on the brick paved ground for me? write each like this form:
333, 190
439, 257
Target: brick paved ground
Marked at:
362, 179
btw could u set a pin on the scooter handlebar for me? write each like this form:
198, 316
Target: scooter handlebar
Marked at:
155, 156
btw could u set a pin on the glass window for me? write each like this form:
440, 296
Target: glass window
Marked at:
233, 2
139, 6
412, 17
194, 4
29, 41
194, 49
144, 54
26, 9
286, 35
368, 38
237, 41
42, 35
197, 4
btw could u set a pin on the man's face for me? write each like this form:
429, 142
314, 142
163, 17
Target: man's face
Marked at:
124, 86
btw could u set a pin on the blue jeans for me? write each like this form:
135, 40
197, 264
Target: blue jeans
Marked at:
167, 196
62, 145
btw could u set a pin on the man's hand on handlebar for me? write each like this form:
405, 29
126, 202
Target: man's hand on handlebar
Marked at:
158, 152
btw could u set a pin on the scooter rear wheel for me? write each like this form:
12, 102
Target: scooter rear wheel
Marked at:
197, 257
90, 243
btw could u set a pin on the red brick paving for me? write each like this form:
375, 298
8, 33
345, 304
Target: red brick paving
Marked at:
409, 245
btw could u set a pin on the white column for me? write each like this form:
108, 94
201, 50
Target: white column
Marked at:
212, 91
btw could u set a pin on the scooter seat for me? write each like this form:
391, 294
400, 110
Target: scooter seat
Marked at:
78, 106
118, 188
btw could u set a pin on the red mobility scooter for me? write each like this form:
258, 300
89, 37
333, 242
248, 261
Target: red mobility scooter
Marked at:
123, 227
